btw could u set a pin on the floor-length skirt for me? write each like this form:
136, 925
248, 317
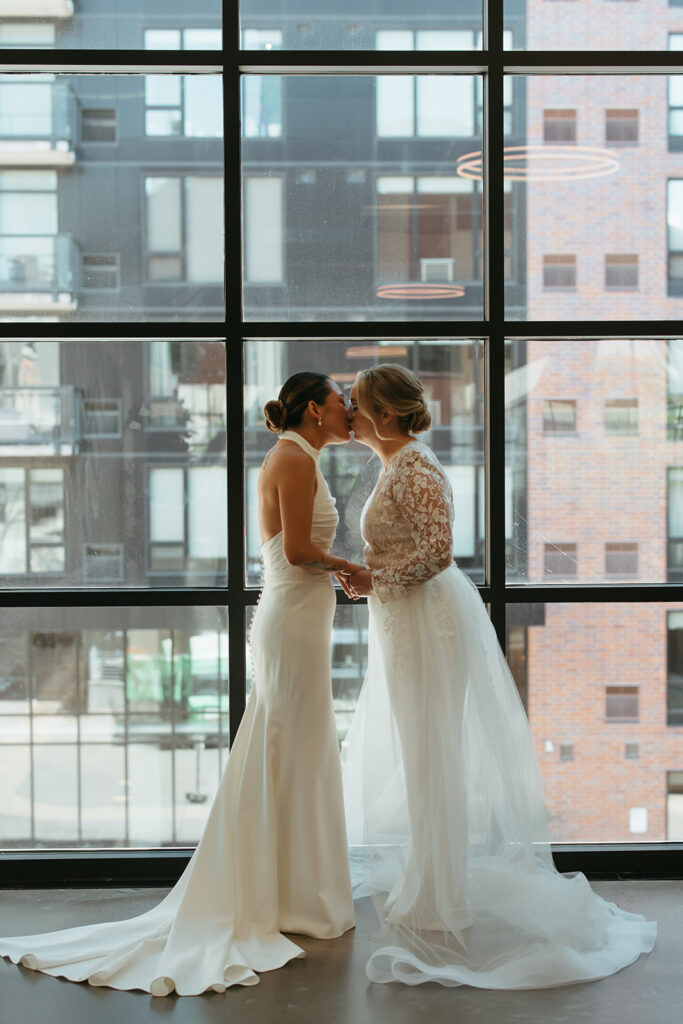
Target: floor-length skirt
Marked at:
446, 817
272, 858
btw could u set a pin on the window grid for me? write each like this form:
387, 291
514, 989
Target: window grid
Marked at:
237, 597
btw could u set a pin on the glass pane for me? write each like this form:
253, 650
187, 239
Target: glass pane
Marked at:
452, 373
136, 496
594, 461
89, 175
125, 703
349, 661
605, 681
324, 239
615, 25
132, 25
363, 26
601, 146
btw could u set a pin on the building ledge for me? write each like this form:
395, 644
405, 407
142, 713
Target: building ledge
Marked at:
30, 156
36, 8
37, 302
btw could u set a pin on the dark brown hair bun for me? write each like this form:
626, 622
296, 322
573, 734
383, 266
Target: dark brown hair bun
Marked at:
276, 415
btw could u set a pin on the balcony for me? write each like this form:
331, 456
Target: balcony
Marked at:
37, 122
38, 274
36, 8
39, 421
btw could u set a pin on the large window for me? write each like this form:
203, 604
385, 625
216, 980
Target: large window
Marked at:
512, 232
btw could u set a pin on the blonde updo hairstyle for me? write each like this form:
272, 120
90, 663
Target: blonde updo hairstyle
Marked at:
390, 386
287, 410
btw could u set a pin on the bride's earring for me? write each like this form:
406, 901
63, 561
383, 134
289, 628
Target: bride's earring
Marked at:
320, 422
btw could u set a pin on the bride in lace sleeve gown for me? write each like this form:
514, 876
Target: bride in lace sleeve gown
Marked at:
445, 812
273, 856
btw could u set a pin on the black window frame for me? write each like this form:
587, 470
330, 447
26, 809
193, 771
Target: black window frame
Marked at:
163, 867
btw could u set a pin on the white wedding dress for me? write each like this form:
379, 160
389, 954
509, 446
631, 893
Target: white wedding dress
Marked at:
273, 856
444, 802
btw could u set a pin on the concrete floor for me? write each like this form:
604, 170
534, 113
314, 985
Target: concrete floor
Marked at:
330, 985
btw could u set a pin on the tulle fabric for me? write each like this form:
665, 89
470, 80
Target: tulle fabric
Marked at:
445, 812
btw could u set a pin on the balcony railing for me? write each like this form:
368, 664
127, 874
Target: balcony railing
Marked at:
38, 273
37, 122
40, 420
36, 8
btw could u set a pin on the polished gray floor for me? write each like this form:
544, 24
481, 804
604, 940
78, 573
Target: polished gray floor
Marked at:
330, 986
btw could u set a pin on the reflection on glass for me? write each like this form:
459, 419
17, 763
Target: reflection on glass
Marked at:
349, 661
131, 483
452, 373
354, 207
102, 712
594, 461
602, 146
603, 686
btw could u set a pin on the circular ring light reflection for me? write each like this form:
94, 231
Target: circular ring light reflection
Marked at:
420, 290
545, 163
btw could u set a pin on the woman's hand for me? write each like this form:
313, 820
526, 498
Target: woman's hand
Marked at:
343, 572
360, 582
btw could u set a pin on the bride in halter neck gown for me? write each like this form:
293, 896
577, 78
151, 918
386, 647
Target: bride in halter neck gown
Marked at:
273, 856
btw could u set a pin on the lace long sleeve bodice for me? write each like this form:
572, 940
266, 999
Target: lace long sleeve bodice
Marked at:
407, 523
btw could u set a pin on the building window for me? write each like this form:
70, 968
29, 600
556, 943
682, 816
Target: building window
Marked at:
621, 559
559, 126
98, 124
559, 272
674, 377
621, 126
427, 229
263, 229
101, 417
426, 106
262, 39
187, 105
559, 416
674, 524
674, 676
262, 106
621, 273
101, 272
675, 235
187, 519
621, 703
566, 751
621, 416
184, 229
28, 229
676, 98
674, 798
23, 34
632, 751
262, 94
32, 520
560, 560
182, 39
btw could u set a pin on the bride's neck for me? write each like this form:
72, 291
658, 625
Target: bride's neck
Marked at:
385, 448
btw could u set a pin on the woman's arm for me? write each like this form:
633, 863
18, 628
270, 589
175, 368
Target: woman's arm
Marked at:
296, 493
423, 498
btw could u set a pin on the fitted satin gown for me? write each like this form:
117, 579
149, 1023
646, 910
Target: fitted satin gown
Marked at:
273, 856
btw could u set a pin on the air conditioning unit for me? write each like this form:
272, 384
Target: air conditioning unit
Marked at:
437, 269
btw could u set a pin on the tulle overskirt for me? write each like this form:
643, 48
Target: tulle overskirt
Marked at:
445, 814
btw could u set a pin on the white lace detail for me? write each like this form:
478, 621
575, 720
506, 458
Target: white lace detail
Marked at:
407, 523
